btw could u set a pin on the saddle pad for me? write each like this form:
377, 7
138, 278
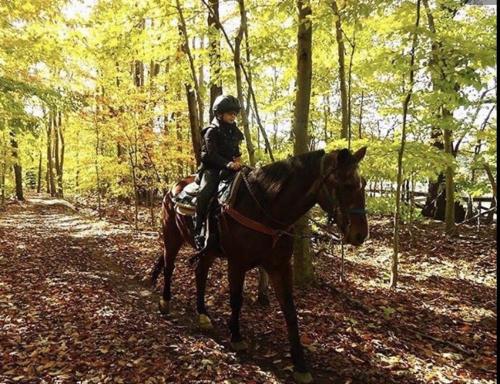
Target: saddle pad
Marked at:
185, 201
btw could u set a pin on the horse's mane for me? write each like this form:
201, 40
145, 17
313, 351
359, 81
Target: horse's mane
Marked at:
273, 177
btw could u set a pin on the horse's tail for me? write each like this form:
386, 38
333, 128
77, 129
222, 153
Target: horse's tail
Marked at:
160, 261
157, 268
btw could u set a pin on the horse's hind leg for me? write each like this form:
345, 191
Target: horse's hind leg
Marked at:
173, 242
204, 264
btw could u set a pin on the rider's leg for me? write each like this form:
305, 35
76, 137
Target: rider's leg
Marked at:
208, 188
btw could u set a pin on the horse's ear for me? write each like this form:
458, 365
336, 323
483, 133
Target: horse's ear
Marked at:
360, 154
343, 156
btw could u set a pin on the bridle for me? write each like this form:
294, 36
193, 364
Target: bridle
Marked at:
331, 202
286, 228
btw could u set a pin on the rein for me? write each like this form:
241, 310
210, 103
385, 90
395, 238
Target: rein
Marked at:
277, 233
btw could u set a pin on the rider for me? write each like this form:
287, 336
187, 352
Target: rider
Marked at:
219, 152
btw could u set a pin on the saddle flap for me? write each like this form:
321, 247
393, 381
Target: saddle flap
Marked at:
228, 189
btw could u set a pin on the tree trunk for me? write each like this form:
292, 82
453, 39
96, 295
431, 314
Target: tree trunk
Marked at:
262, 297
360, 126
18, 171
349, 88
58, 152
193, 92
61, 163
442, 137
214, 54
194, 122
178, 134
493, 183
449, 215
326, 116
96, 160
343, 89
39, 178
51, 186
302, 261
406, 103
239, 85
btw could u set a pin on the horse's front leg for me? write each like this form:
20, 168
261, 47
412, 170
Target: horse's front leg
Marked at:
202, 268
236, 280
281, 280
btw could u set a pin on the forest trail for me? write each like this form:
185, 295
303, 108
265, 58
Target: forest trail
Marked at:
71, 313
74, 308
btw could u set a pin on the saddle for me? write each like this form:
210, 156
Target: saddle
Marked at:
185, 200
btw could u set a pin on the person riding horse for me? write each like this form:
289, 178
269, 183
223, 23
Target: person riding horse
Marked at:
219, 153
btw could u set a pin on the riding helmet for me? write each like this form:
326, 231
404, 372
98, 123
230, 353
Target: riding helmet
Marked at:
226, 103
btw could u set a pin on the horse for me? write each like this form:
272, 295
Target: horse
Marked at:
258, 231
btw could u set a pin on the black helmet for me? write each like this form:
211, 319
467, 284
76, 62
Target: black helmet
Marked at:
226, 103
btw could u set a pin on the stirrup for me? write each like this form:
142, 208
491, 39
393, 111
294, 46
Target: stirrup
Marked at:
199, 243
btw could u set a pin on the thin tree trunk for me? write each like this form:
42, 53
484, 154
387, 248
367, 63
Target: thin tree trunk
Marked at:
77, 160
302, 262
136, 191
449, 215
243, 32
214, 54
39, 178
201, 86
58, 152
239, 85
493, 183
194, 123
349, 87
326, 116
61, 157
51, 186
360, 126
18, 170
178, 135
96, 160
406, 103
342, 81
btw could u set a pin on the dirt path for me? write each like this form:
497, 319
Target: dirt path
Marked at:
74, 309
69, 312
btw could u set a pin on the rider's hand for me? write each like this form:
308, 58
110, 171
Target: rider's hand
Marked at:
234, 166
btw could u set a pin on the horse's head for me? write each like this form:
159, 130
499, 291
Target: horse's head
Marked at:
342, 193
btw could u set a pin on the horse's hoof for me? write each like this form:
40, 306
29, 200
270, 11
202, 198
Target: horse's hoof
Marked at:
204, 322
302, 377
164, 306
239, 346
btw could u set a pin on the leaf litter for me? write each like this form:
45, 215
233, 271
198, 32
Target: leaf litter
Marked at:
75, 307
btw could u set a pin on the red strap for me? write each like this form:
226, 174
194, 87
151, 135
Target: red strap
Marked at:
252, 224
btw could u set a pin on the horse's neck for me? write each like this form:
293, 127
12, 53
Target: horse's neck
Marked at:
297, 197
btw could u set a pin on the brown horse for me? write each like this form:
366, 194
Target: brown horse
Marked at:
267, 205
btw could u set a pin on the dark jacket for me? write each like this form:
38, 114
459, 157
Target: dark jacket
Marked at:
220, 144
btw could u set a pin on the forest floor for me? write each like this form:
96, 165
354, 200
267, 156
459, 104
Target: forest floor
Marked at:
75, 308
